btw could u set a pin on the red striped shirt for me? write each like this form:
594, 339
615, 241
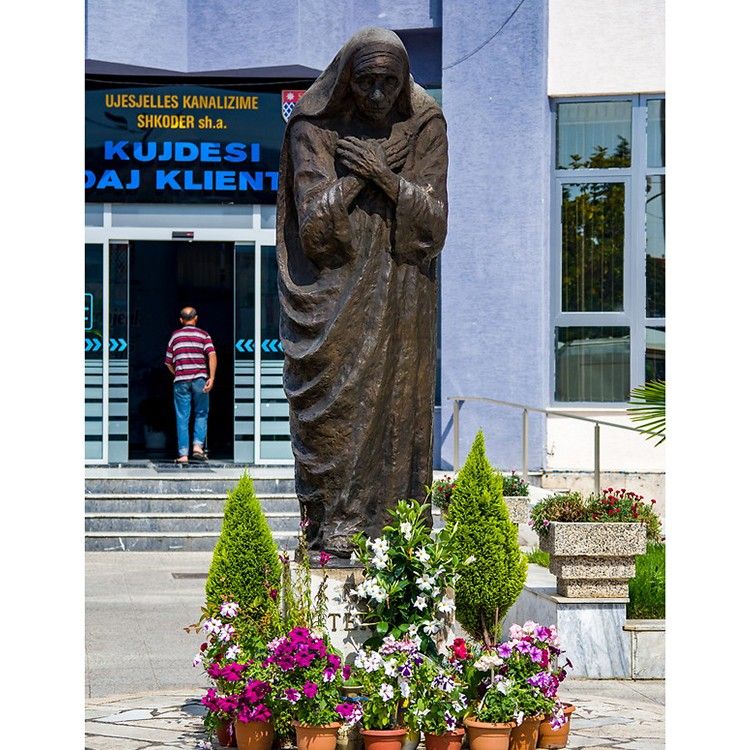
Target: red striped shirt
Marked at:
187, 352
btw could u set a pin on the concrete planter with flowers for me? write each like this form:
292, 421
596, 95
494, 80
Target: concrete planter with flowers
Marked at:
593, 560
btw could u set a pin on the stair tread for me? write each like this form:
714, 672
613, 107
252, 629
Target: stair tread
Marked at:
178, 514
174, 534
181, 495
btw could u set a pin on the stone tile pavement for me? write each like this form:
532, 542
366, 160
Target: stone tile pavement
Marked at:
627, 715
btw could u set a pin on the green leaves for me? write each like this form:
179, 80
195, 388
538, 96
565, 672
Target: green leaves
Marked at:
648, 409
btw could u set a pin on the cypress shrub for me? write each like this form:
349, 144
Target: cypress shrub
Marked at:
245, 567
488, 587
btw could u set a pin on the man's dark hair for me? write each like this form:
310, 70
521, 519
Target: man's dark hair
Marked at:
188, 313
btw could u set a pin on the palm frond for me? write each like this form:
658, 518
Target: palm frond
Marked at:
648, 409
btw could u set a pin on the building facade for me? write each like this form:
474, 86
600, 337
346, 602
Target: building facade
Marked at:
552, 276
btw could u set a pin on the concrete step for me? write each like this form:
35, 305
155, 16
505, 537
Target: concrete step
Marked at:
177, 503
177, 522
104, 541
185, 484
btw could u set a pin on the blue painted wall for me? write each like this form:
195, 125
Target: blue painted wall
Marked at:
495, 313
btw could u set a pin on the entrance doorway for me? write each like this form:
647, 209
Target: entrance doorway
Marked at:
164, 277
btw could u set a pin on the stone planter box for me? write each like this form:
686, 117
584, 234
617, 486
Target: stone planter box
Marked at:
646, 648
593, 560
518, 508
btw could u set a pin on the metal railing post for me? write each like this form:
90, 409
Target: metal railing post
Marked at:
456, 408
597, 467
525, 439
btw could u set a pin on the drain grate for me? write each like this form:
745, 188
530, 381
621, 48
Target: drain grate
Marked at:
195, 576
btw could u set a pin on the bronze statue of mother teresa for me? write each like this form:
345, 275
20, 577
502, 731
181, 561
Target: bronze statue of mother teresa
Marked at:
362, 212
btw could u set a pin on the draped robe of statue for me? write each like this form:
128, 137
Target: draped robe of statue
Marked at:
358, 294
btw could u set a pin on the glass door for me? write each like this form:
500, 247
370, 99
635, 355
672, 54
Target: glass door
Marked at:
94, 348
261, 414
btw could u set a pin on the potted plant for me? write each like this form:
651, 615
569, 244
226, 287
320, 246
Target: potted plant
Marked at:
222, 661
253, 725
308, 676
440, 492
593, 544
516, 497
408, 574
386, 674
555, 729
437, 701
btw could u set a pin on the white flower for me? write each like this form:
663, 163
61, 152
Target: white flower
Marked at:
413, 631
380, 562
425, 582
212, 626
446, 605
469, 560
378, 593
529, 627
229, 609
515, 632
232, 653
422, 555
502, 686
420, 603
225, 634
386, 692
406, 529
204, 745
432, 626
379, 546
519, 718
487, 661
197, 659
404, 688
389, 667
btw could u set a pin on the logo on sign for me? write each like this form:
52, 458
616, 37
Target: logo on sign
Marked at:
289, 100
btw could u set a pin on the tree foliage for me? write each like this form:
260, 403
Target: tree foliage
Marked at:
245, 567
488, 587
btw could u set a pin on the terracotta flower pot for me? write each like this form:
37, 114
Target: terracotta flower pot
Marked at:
225, 734
383, 739
317, 737
554, 739
254, 735
525, 736
445, 741
487, 736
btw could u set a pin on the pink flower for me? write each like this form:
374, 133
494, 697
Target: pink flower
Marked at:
329, 674
292, 695
324, 558
310, 689
346, 671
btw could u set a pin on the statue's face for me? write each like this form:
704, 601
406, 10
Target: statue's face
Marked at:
375, 86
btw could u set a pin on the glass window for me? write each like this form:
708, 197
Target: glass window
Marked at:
655, 260
593, 135
655, 353
593, 243
592, 363
655, 131
267, 217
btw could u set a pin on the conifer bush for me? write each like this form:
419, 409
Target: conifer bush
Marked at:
489, 586
245, 567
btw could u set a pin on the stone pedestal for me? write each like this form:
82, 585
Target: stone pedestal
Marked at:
345, 634
518, 508
593, 560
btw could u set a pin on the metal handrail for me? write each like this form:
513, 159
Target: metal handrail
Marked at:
526, 408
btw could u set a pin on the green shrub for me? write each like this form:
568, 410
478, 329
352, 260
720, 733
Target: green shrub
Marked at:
647, 590
538, 557
245, 567
611, 506
514, 486
564, 506
489, 586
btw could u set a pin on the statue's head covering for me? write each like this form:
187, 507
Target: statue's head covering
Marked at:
330, 94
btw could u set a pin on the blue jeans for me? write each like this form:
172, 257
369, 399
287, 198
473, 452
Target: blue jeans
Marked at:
189, 394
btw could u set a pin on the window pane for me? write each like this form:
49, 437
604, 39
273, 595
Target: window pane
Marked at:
592, 364
655, 133
655, 354
594, 135
655, 259
593, 242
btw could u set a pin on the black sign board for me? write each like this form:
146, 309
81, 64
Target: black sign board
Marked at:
182, 143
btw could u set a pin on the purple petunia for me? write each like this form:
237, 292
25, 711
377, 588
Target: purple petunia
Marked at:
310, 689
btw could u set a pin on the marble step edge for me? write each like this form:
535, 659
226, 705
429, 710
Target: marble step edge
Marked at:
178, 515
182, 495
174, 534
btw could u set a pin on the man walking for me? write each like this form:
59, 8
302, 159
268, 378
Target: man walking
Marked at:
187, 352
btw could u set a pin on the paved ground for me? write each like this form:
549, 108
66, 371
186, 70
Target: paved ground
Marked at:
142, 690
